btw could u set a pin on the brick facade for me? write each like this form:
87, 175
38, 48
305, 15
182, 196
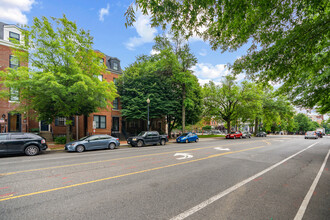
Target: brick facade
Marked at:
83, 125
9, 122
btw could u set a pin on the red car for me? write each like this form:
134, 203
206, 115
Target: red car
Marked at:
234, 135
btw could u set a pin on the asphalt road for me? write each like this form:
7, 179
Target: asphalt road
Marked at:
278, 177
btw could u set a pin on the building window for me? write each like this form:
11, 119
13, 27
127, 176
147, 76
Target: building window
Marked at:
61, 121
14, 94
115, 124
115, 104
13, 35
100, 121
13, 62
101, 61
115, 66
115, 81
100, 77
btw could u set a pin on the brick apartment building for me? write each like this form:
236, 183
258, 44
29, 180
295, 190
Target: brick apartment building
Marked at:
106, 121
10, 122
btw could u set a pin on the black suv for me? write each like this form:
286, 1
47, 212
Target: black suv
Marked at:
147, 138
30, 144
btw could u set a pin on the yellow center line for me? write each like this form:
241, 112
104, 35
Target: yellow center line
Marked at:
126, 174
122, 158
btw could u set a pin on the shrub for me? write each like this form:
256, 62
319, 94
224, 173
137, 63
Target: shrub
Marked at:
60, 140
207, 127
34, 130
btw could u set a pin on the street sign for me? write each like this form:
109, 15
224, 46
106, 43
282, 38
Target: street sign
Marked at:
2, 120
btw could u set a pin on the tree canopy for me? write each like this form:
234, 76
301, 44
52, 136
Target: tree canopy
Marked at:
62, 78
289, 39
159, 77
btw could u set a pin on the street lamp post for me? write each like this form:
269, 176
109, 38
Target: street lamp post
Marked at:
148, 101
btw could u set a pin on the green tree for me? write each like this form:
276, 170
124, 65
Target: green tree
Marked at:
184, 78
155, 77
290, 39
303, 123
222, 102
251, 108
61, 81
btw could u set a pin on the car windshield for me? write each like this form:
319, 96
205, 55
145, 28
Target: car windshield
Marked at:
310, 132
142, 133
184, 134
233, 132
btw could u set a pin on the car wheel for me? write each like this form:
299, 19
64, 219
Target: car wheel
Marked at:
187, 141
140, 143
197, 140
162, 142
249, 136
31, 150
80, 148
112, 146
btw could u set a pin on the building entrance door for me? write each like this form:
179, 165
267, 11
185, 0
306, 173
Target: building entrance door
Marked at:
44, 126
14, 122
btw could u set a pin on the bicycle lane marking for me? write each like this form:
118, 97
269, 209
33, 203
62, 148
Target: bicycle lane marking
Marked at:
215, 198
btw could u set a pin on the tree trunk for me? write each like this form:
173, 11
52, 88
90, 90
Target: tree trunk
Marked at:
68, 130
228, 126
256, 126
183, 108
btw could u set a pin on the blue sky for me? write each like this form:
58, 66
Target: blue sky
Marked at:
106, 22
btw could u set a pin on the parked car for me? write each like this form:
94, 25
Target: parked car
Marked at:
234, 135
187, 137
93, 142
311, 134
30, 144
261, 134
147, 138
246, 134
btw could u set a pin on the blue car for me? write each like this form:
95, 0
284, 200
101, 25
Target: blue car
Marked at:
187, 137
93, 142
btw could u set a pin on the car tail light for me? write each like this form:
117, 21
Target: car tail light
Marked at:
117, 139
168, 137
43, 141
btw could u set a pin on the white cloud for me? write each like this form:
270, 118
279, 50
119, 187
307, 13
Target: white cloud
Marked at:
209, 71
203, 52
153, 52
103, 12
206, 72
206, 81
12, 10
145, 31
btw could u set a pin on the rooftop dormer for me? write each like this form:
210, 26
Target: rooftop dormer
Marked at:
8, 32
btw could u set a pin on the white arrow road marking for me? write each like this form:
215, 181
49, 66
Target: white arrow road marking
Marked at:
184, 155
219, 148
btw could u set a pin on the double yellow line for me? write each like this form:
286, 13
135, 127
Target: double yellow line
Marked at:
127, 174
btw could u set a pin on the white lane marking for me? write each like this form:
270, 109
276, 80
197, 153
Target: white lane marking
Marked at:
220, 148
209, 201
304, 204
183, 156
